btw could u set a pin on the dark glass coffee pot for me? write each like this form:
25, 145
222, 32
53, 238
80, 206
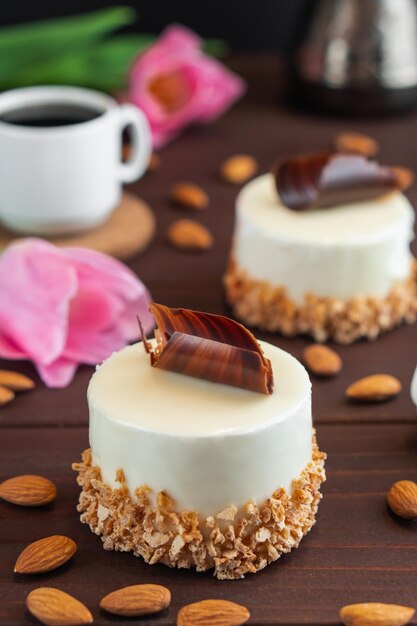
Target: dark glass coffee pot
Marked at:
358, 57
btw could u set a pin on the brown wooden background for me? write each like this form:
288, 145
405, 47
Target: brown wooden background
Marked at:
358, 551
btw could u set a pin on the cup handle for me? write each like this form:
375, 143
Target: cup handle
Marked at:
141, 143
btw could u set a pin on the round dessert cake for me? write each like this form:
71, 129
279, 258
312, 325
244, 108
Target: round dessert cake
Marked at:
344, 272
190, 473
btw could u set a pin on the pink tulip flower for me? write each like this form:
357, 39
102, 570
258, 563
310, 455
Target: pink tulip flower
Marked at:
176, 84
63, 306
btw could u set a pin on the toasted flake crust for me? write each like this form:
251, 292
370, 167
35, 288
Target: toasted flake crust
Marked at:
258, 303
235, 542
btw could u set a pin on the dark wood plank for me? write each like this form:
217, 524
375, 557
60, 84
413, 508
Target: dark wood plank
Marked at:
357, 551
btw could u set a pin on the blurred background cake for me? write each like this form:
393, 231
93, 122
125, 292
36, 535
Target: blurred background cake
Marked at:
342, 272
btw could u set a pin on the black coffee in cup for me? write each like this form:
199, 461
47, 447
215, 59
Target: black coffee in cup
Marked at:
50, 115
60, 152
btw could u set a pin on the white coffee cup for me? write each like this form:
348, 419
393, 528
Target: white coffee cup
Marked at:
58, 179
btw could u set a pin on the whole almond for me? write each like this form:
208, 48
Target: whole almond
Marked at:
126, 152
54, 607
189, 235
6, 395
375, 614
402, 499
15, 381
28, 490
238, 169
376, 388
45, 555
154, 162
356, 143
189, 196
213, 613
321, 360
137, 600
405, 177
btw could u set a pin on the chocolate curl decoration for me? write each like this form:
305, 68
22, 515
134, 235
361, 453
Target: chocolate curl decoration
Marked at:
330, 179
212, 347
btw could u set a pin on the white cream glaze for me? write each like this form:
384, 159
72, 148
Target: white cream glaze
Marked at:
360, 248
414, 388
208, 445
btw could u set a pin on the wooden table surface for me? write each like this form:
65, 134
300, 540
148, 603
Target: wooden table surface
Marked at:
358, 551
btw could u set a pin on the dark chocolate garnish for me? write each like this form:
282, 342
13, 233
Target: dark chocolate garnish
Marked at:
208, 346
330, 179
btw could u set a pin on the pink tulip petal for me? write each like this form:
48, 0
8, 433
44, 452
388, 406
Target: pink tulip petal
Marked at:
8, 350
93, 309
39, 293
209, 87
94, 349
114, 280
66, 306
59, 373
176, 36
217, 89
95, 268
128, 320
108, 291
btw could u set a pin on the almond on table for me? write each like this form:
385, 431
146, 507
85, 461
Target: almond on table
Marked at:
45, 555
15, 381
54, 607
190, 236
189, 196
238, 169
405, 176
321, 360
6, 395
28, 490
154, 162
356, 143
376, 614
137, 600
375, 388
126, 151
213, 613
402, 499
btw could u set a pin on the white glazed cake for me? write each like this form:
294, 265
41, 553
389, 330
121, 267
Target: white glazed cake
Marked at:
157, 425
344, 272
196, 474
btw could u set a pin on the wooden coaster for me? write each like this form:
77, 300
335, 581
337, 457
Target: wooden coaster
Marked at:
128, 231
